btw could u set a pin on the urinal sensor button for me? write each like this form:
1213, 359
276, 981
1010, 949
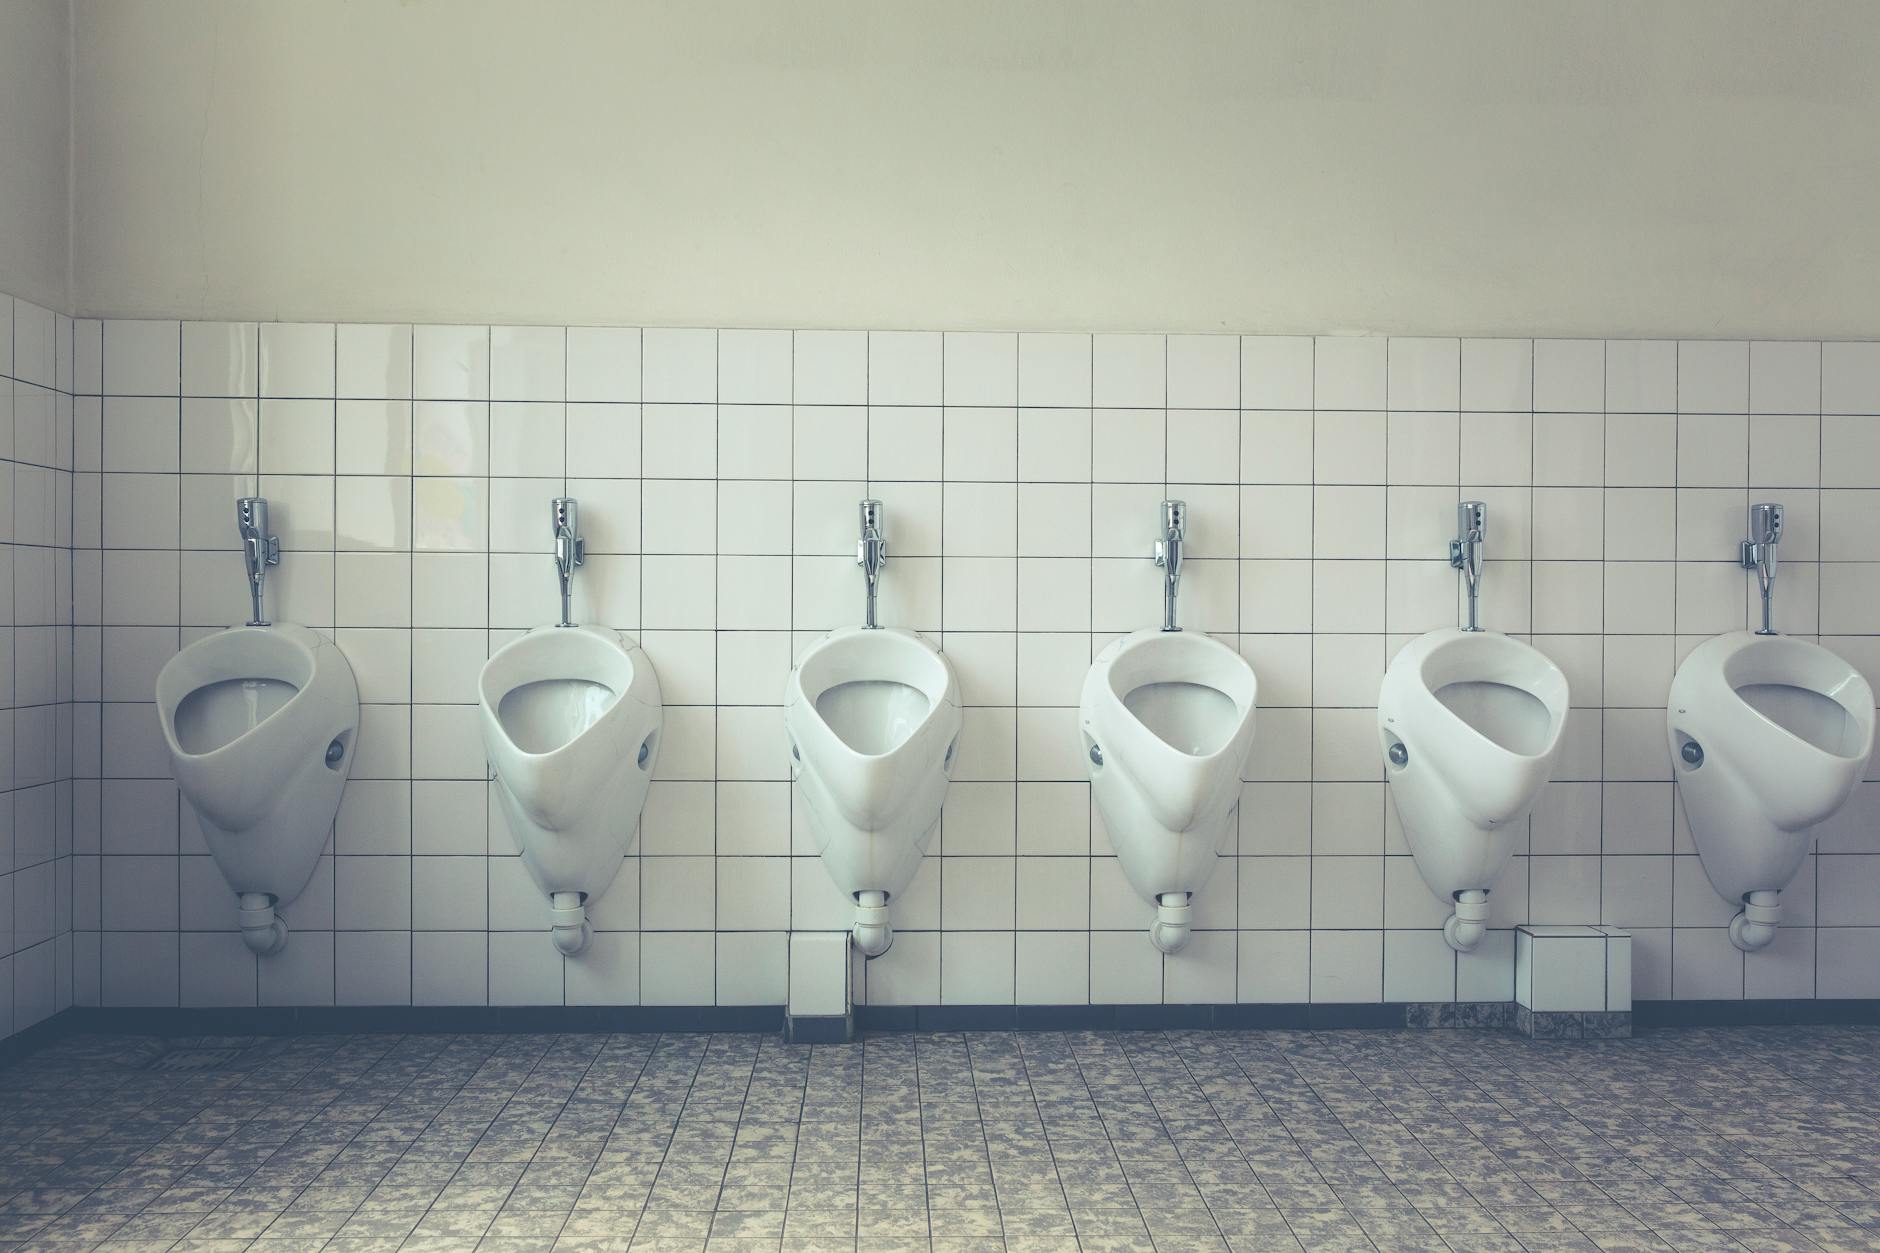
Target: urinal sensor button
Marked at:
334, 752
1399, 754
1692, 752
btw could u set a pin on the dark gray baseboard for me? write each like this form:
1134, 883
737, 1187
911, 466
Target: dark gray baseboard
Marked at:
429, 1019
1126, 1017
424, 1019
1798, 1013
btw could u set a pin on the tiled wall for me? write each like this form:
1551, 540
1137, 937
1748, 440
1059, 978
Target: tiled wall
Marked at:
36, 708
410, 471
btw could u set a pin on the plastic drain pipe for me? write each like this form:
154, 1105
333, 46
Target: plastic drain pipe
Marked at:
873, 935
1173, 915
1465, 927
263, 930
1755, 927
568, 924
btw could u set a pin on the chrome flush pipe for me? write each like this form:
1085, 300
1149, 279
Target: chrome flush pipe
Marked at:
259, 550
1465, 553
1758, 553
871, 553
1168, 555
570, 549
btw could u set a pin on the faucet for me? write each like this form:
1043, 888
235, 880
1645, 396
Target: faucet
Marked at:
871, 553
1758, 553
259, 550
1465, 553
1168, 555
570, 548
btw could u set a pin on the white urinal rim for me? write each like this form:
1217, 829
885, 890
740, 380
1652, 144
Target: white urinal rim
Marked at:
927, 671
1713, 673
613, 649
187, 673
1222, 669
1422, 692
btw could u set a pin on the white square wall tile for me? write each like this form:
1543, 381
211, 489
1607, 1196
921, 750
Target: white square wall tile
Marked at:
1276, 372
449, 362
373, 361
140, 358
1053, 968
1850, 378
1713, 376
679, 365
1641, 376
831, 368
1784, 376
1346, 966
1418, 966
1054, 370
603, 363
979, 443
1128, 371
977, 967
296, 437
296, 359
753, 968
1569, 375
904, 368
221, 359
1423, 373
1349, 372
527, 362
980, 368
1497, 375
754, 367
1203, 371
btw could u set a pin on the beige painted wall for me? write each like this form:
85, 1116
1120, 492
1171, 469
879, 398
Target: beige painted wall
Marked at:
1679, 167
35, 140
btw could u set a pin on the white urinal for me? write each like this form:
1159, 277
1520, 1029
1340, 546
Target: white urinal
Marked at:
571, 717
873, 718
1470, 723
1168, 722
1769, 736
260, 722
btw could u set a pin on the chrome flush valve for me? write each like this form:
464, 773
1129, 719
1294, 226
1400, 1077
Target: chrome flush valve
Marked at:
1466, 552
1758, 553
259, 550
1168, 556
570, 548
871, 553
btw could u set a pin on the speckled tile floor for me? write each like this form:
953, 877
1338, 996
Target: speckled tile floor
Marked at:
1762, 1139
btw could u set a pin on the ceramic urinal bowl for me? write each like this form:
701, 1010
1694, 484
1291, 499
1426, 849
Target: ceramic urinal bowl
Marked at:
1769, 735
1168, 721
873, 718
260, 723
571, 719
1470, 723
